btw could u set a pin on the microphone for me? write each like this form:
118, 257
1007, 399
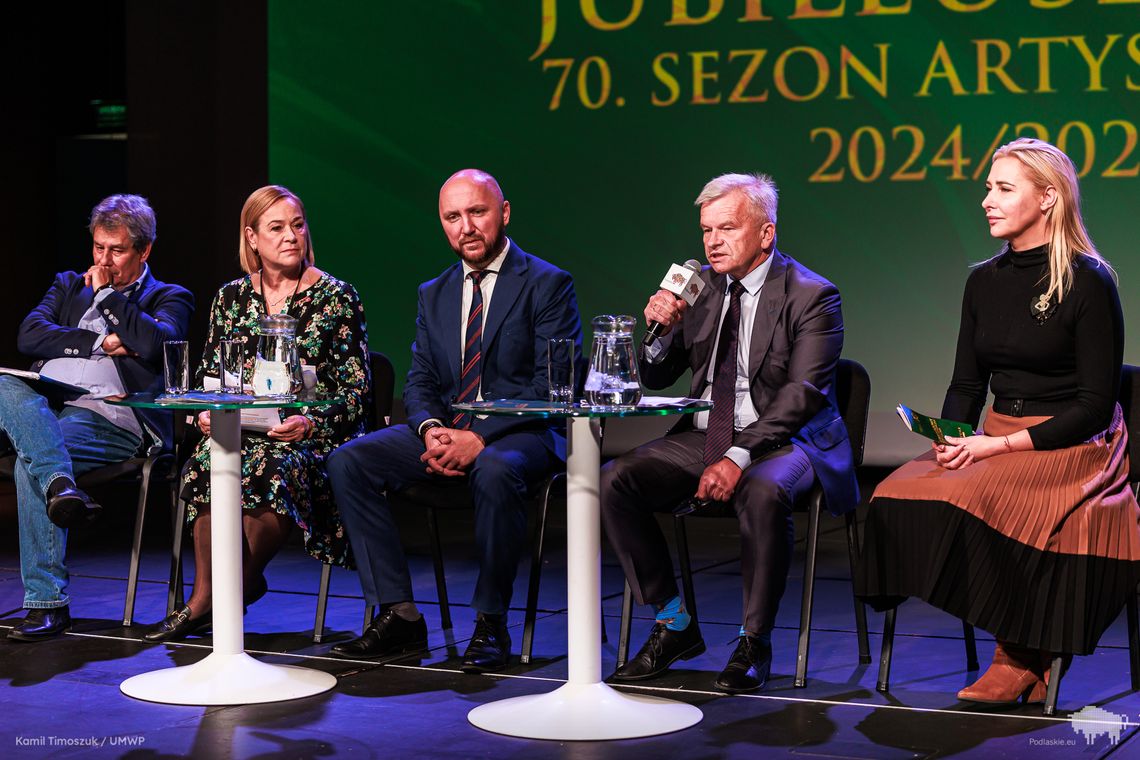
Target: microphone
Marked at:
682, 281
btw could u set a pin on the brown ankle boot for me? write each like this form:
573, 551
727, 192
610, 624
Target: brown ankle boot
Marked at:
1015, 672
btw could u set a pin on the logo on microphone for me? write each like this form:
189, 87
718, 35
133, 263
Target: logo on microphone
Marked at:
677, 279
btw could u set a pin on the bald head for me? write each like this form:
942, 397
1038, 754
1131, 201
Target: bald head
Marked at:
473, 214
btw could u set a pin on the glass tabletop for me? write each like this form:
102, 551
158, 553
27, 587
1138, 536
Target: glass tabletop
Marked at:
217, 400
649, 406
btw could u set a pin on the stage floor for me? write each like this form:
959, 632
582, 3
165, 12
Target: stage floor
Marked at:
62, 698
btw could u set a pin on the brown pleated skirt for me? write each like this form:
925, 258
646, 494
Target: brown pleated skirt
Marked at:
1040, 548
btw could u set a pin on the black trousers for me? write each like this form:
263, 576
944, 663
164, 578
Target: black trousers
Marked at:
659, 475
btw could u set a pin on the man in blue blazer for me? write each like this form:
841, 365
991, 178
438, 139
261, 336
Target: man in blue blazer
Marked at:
482, 328
762, 341
103, 331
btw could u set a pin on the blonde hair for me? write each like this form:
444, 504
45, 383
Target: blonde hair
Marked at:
257, 204
1047, 166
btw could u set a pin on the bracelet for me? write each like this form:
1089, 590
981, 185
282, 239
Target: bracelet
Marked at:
1008, 447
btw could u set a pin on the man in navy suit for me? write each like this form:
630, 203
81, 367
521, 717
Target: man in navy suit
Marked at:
481, 333
762, 342
103, 331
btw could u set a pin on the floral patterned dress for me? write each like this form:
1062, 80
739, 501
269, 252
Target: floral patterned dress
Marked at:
291, 477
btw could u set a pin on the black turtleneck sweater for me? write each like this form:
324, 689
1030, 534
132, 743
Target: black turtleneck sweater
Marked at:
1074, 356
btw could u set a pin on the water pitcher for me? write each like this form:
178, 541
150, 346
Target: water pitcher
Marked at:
613, 379
277, 369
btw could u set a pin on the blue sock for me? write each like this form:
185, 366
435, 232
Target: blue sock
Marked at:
673, 615
765, 638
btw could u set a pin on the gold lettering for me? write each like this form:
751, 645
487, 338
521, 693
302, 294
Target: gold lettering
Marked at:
700, 75
823, 73
961, 6
737, 95
985, 68
848, 60
876, 8
753, 11
1134, 54
941, 67
807, 9
1049, 3
549, 24
681, 15
1044, 70
1095, 63
666, 78
590, 13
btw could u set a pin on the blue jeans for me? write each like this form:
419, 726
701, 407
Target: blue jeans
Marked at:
50, 444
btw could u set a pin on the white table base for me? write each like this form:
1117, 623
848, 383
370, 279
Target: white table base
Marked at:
228, 676
585, 708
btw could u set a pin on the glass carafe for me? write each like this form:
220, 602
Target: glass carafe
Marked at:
277, 368
613, 379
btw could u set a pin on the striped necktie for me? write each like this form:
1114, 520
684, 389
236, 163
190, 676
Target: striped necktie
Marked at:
718, 437
471, 374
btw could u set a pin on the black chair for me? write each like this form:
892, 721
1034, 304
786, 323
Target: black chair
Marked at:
379, 415
1130, 404
432, 497
156, 463
853, 392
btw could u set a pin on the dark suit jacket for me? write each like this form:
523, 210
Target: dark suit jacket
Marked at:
796, 341
154, 313
533, 302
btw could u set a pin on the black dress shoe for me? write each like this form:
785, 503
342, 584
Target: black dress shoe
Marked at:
490, 645
388, 634
177, 626
40, 624
663, 648
748, 668
67, 506
254, 591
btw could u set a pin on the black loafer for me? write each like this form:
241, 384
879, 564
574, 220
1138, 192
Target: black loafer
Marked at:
490, 645
388, 634
747, 668
69, 507
40, 624
177, 626
663, 648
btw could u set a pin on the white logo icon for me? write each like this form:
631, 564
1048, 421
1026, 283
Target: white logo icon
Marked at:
1093, 722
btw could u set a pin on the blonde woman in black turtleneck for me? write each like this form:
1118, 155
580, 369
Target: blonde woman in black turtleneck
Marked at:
1027, 530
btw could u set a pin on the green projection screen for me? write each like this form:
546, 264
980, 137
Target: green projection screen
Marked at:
602, 119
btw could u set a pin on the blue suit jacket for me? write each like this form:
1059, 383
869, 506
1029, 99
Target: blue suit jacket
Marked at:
797, 337
533, 302
154, 313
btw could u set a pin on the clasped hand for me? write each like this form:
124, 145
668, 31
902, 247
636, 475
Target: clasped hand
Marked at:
718, 481
450, 451
957, 453
293, 428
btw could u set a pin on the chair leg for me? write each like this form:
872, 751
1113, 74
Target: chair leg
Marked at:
884, 683
625, 625
1054, 686
322, 602
136, 543
860, 608
690, 597
535, 575
437, 560
809, 590
1133, 642
369, 613
175, 594
971, 647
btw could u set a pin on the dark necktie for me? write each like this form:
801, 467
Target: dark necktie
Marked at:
471, 374
718, 437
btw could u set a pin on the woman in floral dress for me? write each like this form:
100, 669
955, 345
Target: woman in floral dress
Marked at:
283, 472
